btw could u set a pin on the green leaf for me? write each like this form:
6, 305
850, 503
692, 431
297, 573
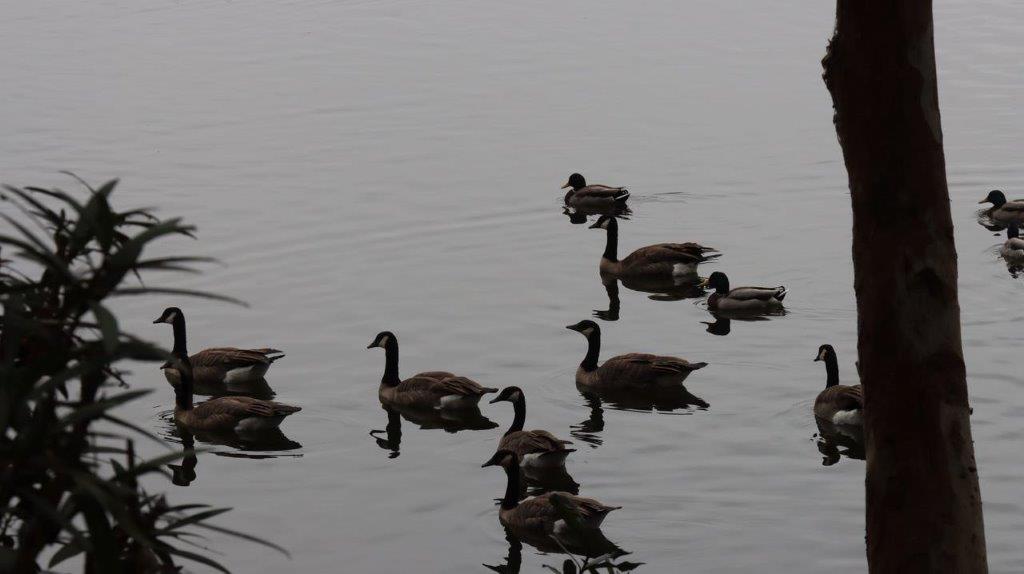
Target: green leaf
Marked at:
108, 326
69, 550
183, 292
98, 408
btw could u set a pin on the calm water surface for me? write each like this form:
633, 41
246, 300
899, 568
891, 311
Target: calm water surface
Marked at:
375, 165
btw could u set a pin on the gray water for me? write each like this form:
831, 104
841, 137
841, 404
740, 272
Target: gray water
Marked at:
373, 165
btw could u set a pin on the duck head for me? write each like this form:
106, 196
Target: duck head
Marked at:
576, 181
995, 197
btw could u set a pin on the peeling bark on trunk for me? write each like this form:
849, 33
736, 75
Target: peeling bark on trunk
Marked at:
923, 501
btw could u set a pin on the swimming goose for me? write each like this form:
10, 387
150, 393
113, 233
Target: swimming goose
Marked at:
1013, 248
227, 366
1002, 210
534, 448
634, 370
837, 404
230, 414
542, 512
742, 299
673, 260
429, 390
583, 195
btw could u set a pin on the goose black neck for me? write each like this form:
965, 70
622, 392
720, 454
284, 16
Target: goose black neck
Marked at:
390, 377
511, 499
611, 246
520, 409
183, 390
832, 370
593, 351
180, 349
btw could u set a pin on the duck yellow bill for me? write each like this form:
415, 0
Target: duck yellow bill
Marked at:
566, 185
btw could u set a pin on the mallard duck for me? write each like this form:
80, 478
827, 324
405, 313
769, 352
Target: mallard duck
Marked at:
583, 195
534, 448
635, 370
429, 390
543, 512
742, 299
837, 404
224, 414
1013, 248
664, 260
1002, 210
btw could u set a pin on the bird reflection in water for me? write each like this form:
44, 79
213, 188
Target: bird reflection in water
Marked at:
722, 324
658, 290
583, 544
835, 442
390, 437
269, 443
183, 474
580, 215
664, 400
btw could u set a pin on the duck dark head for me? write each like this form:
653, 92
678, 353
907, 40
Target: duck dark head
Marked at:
717, 281
382, 340
586, 327
995, 197
169, 316
510, 394
1012, 231
604, 222
576, 181
503, 458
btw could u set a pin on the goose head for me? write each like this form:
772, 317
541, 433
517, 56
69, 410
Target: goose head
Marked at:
169, 316
382, 340
604, 222
502, 458
824, 352
510, 394
587, 328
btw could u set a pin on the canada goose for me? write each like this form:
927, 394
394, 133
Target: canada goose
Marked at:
742, 299
837, 404
235, 369
542, 512
429, 390
1002, 210
583, 195
536, 448
1013, 248
636, 370
662, 260
234, 414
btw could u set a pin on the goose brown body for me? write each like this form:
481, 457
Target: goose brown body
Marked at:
427, 390
224, 414
632, 370
536, 448
837, 404
227, 366
543, 513
664, 260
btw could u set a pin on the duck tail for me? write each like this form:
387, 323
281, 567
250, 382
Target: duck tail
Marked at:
622, 195
695, 366
782, 292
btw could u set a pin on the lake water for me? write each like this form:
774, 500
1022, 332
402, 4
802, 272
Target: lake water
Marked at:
371, 165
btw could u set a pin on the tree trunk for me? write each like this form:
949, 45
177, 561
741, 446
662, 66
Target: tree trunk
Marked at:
923, 501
